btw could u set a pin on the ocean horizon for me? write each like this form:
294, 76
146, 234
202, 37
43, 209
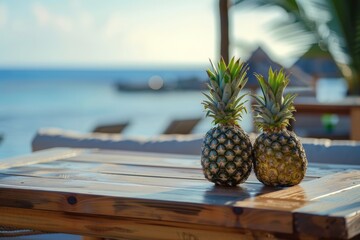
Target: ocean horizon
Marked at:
103, 74
79, 100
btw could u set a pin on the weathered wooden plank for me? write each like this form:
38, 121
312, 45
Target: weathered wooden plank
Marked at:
66, 171
335, 215
140, 153
315, 170
128, 228
318, 188
153, 203
97, 188
40, 157
134, 185
109, 172
161, 172
173, 172
190, 191
152, 160
330, 208
159, 164
196, 186
353, 225
176, 161
326, 207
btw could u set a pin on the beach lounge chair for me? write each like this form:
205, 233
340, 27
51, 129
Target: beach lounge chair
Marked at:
111, 128
177, 126
182, 126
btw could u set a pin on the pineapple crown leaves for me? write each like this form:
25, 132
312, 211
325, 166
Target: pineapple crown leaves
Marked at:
273, 111
225, 83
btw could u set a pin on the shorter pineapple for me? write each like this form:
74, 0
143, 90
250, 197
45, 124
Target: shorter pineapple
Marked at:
279, 157
226, 151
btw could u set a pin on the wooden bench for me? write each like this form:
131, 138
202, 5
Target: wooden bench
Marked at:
129, 195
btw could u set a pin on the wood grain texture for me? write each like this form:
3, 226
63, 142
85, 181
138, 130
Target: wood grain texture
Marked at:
222, 213
319, 188
106, 171
168, 193
110, 152
151, 160
48, 155
335, 215
332, 205
130, 228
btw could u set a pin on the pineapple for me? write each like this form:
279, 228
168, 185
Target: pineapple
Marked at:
226, 151
279, 157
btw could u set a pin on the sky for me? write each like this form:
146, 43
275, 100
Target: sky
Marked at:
121, 33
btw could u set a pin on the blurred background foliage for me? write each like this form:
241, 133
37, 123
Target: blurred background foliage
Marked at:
333, 25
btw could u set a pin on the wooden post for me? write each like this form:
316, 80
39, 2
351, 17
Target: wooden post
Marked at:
224, 29
355, 126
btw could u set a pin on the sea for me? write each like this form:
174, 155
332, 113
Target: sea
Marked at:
81, 99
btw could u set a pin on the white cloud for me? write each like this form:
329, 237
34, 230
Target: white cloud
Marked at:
46, 18
125, 35
160, 36
86, 20
63, 23
114, 26
3, 15
42, 15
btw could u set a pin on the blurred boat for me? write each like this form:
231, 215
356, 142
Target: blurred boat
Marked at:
156, 83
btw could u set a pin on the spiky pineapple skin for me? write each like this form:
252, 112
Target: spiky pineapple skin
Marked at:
226, 155
279, 159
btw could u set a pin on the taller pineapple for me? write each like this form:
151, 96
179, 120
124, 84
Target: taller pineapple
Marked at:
226, 151
279, 157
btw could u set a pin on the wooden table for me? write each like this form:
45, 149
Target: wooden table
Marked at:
349, 106
152, 196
